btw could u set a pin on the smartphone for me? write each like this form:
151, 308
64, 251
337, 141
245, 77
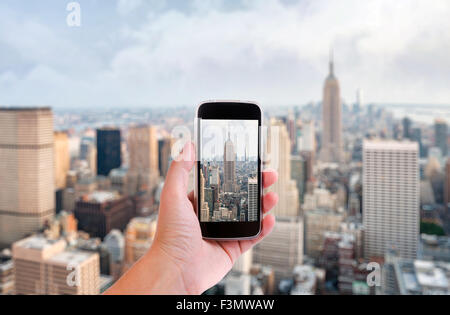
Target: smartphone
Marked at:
228, 178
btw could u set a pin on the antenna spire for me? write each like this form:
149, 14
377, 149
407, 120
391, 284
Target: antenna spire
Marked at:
331, 62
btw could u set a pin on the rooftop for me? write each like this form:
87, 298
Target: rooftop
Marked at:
382, 144
73, 258
102, 196
24, 108
38, 242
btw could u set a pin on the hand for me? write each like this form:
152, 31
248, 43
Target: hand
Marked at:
180, 260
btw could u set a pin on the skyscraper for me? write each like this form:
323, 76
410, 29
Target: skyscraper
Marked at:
62, 159
280, 156
45, 266
109, 154
332, 119
88, 152
441, 136
143, 148
252, 199
391, 197
100, 212
138, 238
283, 248
298, 173
407, 132
447, 184
164, 155
229, 165
204, 210
27, 183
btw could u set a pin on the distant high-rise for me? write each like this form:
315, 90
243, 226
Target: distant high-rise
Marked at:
229, 165
143, 149
164, 155
62, 159
280, 159
27, 183
441, 136
212, 198
417, 137
447, 183
391, 197
100, 212
88, 152
298, 173
307, 141
283, 248
332, 119
317, 222
115, 244
138, 238
204, 210
109, 155
291, 127
252, 199
407, 132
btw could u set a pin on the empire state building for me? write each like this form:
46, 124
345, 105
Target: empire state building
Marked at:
332, 119
229, 161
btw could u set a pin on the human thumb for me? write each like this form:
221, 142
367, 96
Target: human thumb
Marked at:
176, 183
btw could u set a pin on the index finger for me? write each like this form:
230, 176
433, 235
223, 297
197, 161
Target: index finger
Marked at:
269, 178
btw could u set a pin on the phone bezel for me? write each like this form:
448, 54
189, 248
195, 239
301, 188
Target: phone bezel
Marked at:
229, 110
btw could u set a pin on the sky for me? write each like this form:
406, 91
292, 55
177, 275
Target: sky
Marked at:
139, 53
243, 134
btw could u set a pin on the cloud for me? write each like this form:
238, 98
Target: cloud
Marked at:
274, 52
125, 7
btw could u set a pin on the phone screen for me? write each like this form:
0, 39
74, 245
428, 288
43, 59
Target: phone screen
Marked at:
228, 172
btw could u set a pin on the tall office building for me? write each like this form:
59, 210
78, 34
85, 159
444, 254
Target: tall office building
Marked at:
212, 198
441, 136
317, 222
139, 237
115, 245
298, 173
447, 184
229, 165
164, 155
100, 212
280, 155
291, 127
27, 183
62, 159
109, 155
88, 152
407, 131
143, 149
307, 138
204, 210
47, 267
283, 248
416, 135
332, 119
252, 199
391, 197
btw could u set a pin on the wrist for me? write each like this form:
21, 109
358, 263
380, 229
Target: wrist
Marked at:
154, 274
166, 276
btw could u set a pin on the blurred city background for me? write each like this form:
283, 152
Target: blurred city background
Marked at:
362, 136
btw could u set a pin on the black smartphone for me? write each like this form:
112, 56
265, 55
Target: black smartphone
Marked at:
228, 178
